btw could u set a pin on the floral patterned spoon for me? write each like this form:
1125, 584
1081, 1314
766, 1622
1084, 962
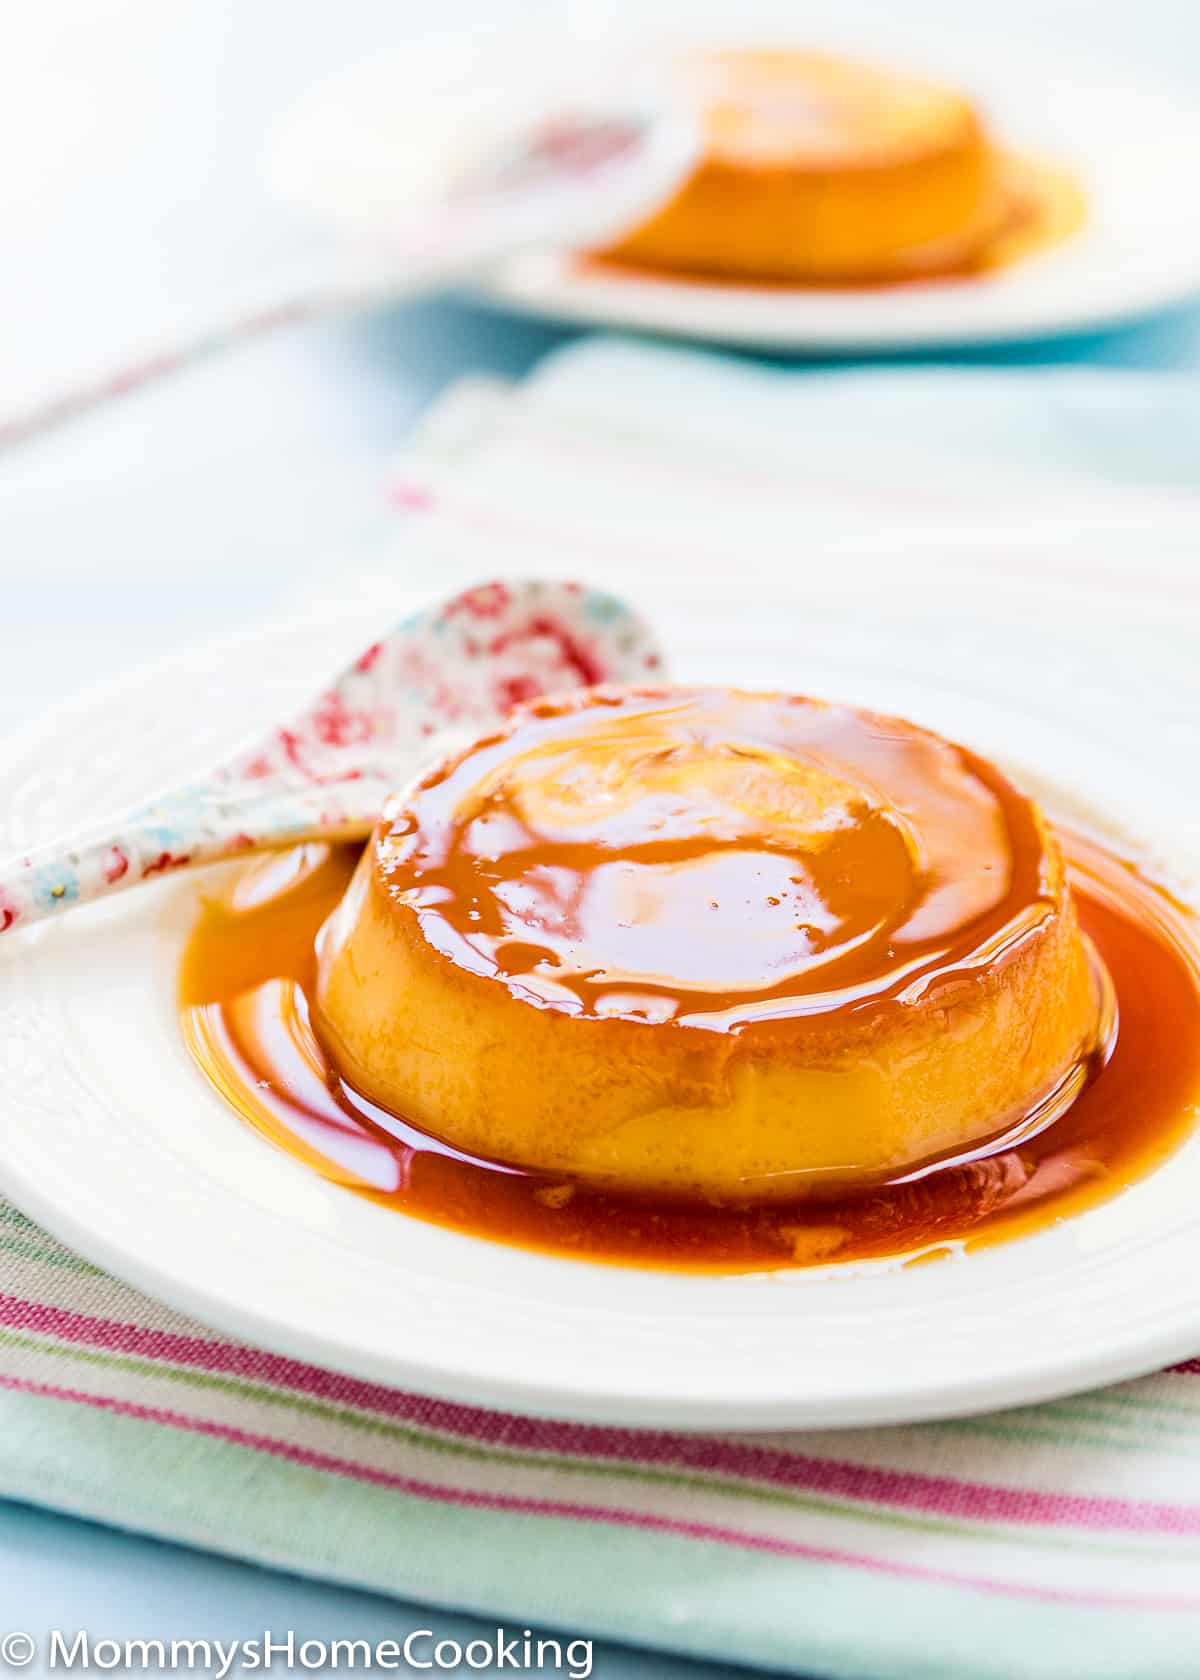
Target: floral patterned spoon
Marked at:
446, 672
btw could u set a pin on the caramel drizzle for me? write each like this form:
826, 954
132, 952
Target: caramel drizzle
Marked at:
938, 872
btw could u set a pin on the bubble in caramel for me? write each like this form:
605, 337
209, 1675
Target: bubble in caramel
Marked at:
713, 945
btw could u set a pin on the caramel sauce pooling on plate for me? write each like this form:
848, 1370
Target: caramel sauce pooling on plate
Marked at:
250, 974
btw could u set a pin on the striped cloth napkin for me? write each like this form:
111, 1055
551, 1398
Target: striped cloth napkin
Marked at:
985, 1547
1060, 1539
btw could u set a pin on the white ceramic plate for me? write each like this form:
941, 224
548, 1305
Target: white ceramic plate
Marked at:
1131, 147
114, 1141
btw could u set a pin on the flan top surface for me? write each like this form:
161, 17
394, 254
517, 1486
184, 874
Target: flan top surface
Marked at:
718, 858
796, 109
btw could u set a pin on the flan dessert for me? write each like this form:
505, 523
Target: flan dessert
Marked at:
823, 170
714, 945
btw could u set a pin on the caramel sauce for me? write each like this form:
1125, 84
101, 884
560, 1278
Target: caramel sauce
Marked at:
249, 972
720, 859
1045, 206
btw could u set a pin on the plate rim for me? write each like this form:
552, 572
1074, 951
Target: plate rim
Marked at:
585, 302
903, 1401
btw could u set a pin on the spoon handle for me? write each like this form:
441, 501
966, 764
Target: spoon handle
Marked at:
207, 821
428, 687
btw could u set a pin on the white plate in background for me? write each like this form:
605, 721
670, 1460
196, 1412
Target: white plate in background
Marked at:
1132, 146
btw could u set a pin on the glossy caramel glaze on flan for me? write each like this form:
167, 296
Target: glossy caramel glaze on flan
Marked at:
711, 944
822, 170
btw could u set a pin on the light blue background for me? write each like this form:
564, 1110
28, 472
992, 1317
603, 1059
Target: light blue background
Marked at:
198, 503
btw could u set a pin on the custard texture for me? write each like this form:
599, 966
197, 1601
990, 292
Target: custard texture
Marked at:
711, 944
823, 170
